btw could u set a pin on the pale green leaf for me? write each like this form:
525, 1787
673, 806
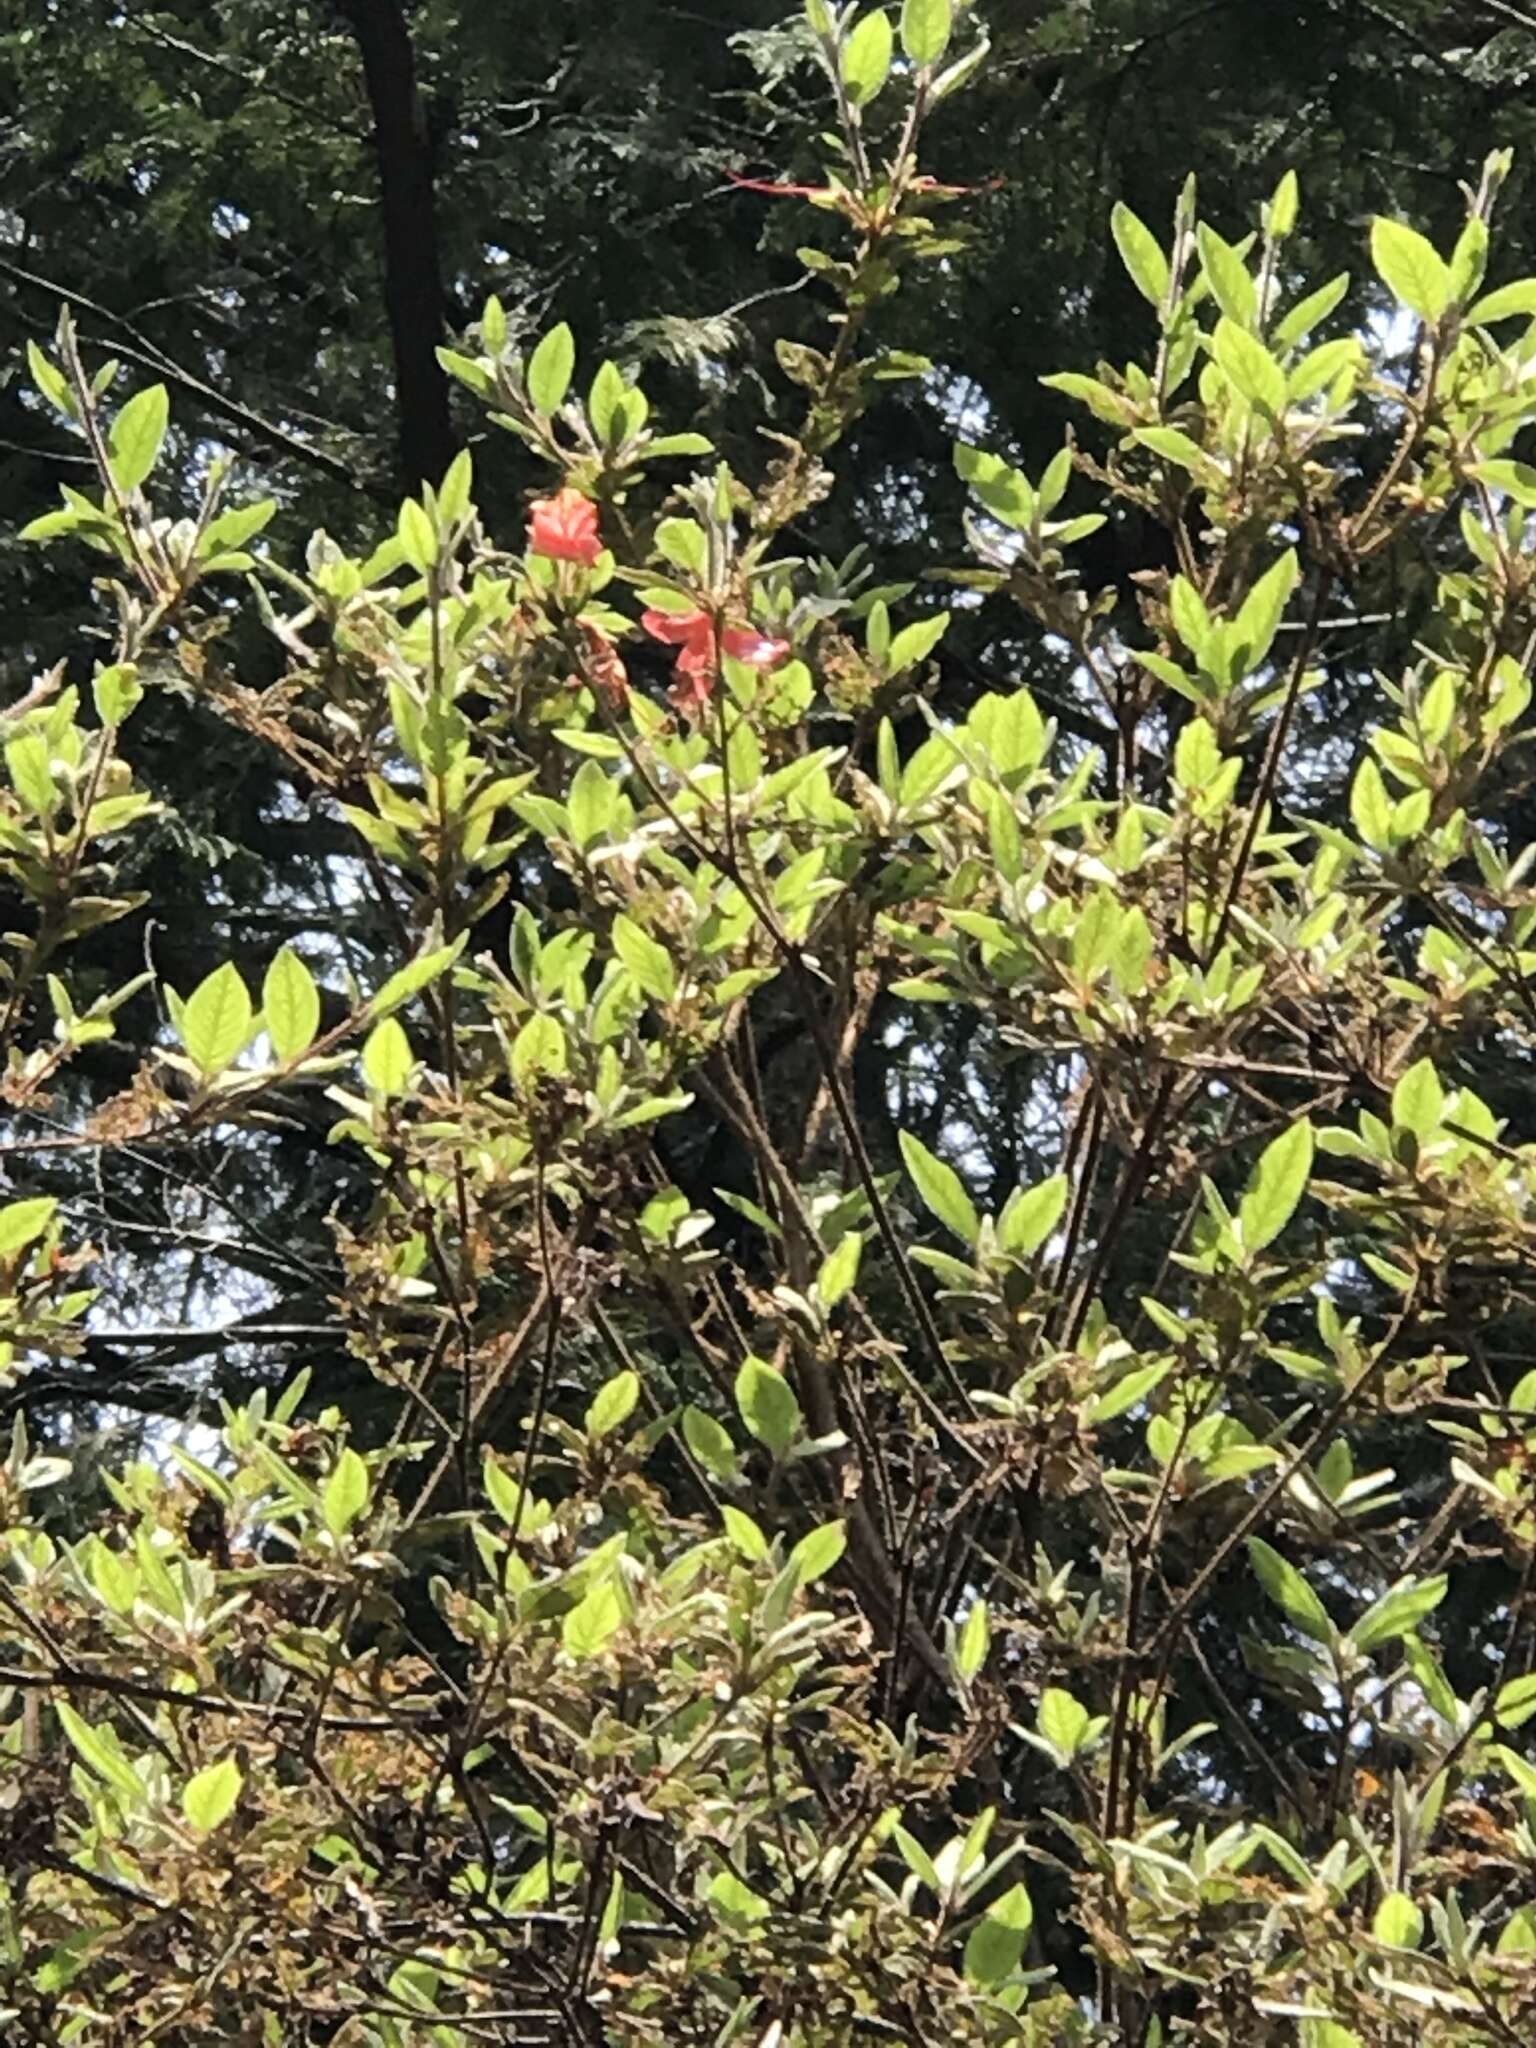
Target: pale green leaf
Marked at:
216, 1020
209, 1798
346, 1492
613, 1404
136, 436
1410, 268
709, 1442
941, 1188
996, 1943
590, 1623
815, 1555
840, 1269
551, 367
1290, 1591
925, 29
1140, 253
387, 1058
767, 1405
867, 57
290, 1005
1278, 1184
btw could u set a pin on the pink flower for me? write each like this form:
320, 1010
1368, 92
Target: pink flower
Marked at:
698, 659
564, 527
745, 643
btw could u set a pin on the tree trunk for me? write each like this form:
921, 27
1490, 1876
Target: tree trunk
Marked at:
413, 283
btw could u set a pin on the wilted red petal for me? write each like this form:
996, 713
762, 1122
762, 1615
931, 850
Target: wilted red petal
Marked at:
693, 682
605, 666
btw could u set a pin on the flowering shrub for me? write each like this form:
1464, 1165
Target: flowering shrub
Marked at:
808, 1640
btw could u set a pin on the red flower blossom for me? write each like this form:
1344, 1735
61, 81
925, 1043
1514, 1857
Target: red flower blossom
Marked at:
564, 527
698, 659
605, 667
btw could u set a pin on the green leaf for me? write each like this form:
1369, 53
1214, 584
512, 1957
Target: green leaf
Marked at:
1290, 1591
768, 1405
1370, 808
210, 1797
1031, 1214
918, 1861
1520, 1768
709, 1442
685, 544
49, 379
117, 692
647, 960
1062, 1721
1254, 629
346, 1492
814, 1555
679, 444
1172, 445
1278, 1184
216, 1020
1398, 1921
539, 1048
1516, 1702
972, 1641
916, 642
1397, 1611
387, 1058
1516, 480
736, 1900
613, 1404
411, 979
1005, 491
1280, 213
29, 766
290, 1005
1409, 267
137, 434
1469, 260
1249, 367
592, 1621
1418, 1100
551, 367
941, 1189
1509, 302
99, 1749
1139, 252
1225, 271
925, 29
1310, 312
21, 1223
1126, 1392
605, 400
867, 58
744, 1534
840, 1269
501, 1489
417, 536
996, 1942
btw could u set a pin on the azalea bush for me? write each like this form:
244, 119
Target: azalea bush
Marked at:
800, 1621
